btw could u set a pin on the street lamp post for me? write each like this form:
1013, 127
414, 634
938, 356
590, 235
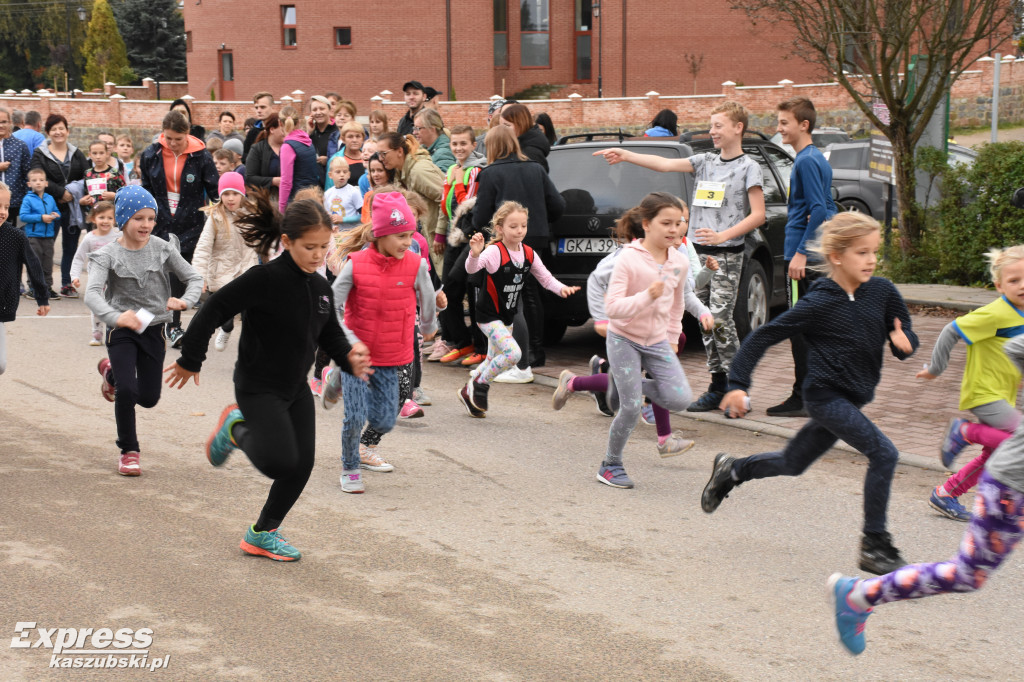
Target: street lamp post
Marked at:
82, 14
600, 43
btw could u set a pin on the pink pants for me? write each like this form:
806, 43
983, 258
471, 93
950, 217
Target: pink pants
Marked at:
989, 438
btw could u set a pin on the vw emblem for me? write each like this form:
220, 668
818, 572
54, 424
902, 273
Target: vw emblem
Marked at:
594, 224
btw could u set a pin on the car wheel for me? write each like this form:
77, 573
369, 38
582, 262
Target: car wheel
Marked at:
752, 300
855, 206
554, 330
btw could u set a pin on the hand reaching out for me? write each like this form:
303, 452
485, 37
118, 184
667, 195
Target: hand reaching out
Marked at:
898, 338
476, 244
178, 376
707, 322
566, 292
612, 156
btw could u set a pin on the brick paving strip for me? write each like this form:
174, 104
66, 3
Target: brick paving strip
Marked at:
913, 413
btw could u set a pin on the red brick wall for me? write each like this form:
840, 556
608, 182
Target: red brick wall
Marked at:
970, 106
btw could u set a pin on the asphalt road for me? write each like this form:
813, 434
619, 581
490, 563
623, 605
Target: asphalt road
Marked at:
490, 553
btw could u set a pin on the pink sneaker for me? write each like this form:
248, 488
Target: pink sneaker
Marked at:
107, 388
316, 386
128, 464
439, 351
410, 410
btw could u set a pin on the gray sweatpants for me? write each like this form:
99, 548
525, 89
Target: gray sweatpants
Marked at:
667, 387
42, 247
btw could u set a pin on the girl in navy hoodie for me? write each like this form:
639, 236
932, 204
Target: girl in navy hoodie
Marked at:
847, 318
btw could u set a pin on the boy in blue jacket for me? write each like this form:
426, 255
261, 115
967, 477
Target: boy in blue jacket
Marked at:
40, 215
810, 204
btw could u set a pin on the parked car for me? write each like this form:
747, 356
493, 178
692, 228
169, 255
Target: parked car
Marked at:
597, 194
820, 138
855, 190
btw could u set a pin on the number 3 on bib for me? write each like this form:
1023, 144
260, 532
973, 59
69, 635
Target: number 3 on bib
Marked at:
709, 194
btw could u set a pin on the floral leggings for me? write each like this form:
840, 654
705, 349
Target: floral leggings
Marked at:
995, 529
502, 351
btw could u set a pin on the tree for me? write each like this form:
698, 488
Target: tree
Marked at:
105, 56
154, 34
868, 46
34, 44
694, 64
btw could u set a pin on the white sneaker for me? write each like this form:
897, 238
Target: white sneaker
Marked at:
220, 342
515, 376
371, 460
95, 342
352, 481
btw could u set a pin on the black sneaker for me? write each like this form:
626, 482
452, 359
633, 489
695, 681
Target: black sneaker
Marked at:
478, 394
470, 407
720, 483
29, 294
707, 402
599, 396
54, 295
68, 291
877, 554
174, 335
793, 406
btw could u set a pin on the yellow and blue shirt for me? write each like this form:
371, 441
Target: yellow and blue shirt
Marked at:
989, 375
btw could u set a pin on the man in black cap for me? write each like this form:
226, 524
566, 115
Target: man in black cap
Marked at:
416, 96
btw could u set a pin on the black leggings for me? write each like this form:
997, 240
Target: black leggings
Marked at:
136, 366
178, 288
279, 438
458, 285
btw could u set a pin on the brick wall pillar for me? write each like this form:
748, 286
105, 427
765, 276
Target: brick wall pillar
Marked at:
45, 97
150, 86
114, 107
729, 90
787, 89
576, 110
653, 104
109, 89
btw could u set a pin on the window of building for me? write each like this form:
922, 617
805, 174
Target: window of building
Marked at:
288, 36
584, 26
501, 33
534, 35
343, 36
188, 41
227, 66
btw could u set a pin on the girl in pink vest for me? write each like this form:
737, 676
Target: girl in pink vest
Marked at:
376, 295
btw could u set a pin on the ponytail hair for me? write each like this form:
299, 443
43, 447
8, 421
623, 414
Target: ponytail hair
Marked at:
263, 227
349, 241
631, 225
408, 143
290, 119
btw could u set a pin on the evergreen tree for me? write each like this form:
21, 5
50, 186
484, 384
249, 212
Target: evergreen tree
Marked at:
154, 35
105, 56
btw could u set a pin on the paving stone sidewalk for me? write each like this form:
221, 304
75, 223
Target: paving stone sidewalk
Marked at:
911, 411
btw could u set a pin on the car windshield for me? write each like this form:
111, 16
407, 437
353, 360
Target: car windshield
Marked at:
592, 187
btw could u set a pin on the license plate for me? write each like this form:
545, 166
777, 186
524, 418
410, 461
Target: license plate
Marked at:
585, 246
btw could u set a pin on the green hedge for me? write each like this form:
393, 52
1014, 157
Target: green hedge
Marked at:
975, 215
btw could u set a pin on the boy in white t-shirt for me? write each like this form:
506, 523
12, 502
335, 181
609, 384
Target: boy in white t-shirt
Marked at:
343, 201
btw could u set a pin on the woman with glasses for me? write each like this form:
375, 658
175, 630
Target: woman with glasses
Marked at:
415, 171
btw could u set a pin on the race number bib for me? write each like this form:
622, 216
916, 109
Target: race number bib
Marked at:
172, 201
709, 194
96, 186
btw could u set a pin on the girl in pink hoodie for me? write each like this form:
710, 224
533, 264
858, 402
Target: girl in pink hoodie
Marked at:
646, 297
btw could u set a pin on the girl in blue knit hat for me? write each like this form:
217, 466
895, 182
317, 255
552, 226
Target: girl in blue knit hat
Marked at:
129, 291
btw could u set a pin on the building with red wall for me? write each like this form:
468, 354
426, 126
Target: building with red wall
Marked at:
473, 49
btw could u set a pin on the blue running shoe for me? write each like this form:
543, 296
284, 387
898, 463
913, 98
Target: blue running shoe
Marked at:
219, 445
949, 506
953, 442
849, 623
269, 543
647, 414
614, 475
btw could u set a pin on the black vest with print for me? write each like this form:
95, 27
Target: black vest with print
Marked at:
499, 297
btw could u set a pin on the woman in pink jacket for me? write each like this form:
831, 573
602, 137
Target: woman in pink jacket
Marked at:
645, 304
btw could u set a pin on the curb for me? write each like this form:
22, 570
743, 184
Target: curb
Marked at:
907, 458
959, 306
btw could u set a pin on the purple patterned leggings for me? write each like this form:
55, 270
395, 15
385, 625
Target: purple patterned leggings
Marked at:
995, 529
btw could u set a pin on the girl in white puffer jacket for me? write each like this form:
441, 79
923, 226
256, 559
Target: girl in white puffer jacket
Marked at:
221, 254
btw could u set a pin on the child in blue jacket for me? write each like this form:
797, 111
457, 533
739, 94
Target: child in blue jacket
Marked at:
41, 217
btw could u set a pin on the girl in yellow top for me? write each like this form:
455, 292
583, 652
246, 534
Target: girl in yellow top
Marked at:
990, 381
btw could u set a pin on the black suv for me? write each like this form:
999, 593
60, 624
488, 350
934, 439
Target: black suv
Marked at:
597, 194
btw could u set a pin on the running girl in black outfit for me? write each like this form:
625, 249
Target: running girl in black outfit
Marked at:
287, 311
